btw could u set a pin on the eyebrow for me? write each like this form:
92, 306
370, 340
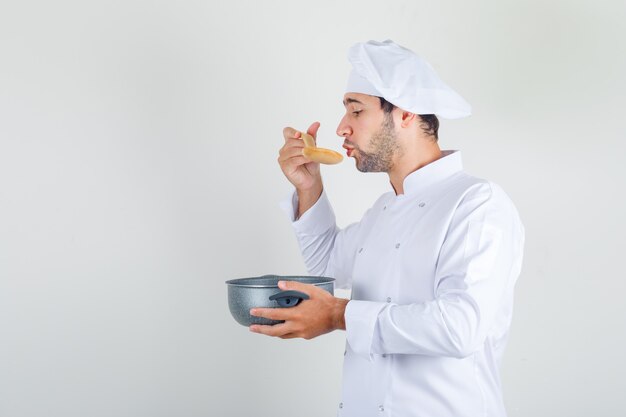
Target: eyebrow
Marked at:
351, 100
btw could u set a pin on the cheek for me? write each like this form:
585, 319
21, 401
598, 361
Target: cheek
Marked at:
362, 128
366, 130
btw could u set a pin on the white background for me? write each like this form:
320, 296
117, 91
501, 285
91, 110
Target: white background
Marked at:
138, 146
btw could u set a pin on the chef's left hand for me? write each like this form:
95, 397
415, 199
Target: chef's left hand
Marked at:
320, 314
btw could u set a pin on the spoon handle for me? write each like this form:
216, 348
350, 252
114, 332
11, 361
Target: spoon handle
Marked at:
309, 142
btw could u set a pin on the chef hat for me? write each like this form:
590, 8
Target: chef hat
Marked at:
386, 69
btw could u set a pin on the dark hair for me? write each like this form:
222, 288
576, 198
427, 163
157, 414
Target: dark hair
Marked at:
429, 122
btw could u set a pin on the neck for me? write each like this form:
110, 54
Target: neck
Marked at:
410, 161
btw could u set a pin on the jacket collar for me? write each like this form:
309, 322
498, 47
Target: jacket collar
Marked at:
449, 164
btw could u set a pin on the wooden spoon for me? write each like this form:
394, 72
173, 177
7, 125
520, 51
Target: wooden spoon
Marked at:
320, 155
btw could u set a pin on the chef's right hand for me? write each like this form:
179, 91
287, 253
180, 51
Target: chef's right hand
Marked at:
301, 172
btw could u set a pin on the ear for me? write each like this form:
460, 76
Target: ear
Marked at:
408, 118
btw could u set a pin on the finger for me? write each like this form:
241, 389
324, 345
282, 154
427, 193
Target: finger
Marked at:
271, 313
290, 132
287, 153
308, 289
312, 130
277, 330
295, 162
294, 143
297, 144
291, 144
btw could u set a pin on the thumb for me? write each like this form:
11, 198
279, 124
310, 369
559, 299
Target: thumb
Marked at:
312, 130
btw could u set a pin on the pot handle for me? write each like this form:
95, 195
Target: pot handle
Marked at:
289, 298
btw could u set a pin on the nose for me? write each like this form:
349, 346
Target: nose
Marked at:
344, 128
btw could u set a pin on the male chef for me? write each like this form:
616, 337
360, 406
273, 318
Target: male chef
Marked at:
432, 264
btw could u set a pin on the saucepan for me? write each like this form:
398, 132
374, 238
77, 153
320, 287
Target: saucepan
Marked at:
247, 293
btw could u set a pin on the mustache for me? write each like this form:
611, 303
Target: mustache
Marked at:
346, 142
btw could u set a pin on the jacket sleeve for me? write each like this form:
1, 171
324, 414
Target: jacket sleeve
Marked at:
478, 264
327, 250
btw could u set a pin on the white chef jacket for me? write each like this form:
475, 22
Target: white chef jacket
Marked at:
432, 273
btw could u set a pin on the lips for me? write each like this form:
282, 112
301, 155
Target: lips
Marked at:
349, 150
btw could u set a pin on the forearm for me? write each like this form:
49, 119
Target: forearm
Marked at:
326, 249
421, 329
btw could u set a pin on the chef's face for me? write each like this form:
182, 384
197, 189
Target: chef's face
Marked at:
369, 133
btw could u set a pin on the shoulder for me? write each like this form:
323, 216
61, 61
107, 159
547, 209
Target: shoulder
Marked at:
488, 197
468, 187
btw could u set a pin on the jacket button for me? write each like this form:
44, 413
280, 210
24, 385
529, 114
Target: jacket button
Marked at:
422, 204
381, 408
340, 405
397, 245
388, 299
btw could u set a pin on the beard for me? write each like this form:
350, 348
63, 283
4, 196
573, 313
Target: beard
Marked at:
384, 145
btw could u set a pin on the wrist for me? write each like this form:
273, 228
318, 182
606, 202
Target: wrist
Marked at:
307, 198
314, 189
339, 319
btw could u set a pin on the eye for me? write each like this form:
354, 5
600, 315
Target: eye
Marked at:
356, 113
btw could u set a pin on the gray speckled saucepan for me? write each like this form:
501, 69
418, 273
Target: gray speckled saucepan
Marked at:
246, 293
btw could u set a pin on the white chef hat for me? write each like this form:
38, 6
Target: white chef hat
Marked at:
386, 69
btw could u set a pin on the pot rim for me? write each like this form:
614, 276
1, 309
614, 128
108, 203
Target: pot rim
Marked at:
234, 282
